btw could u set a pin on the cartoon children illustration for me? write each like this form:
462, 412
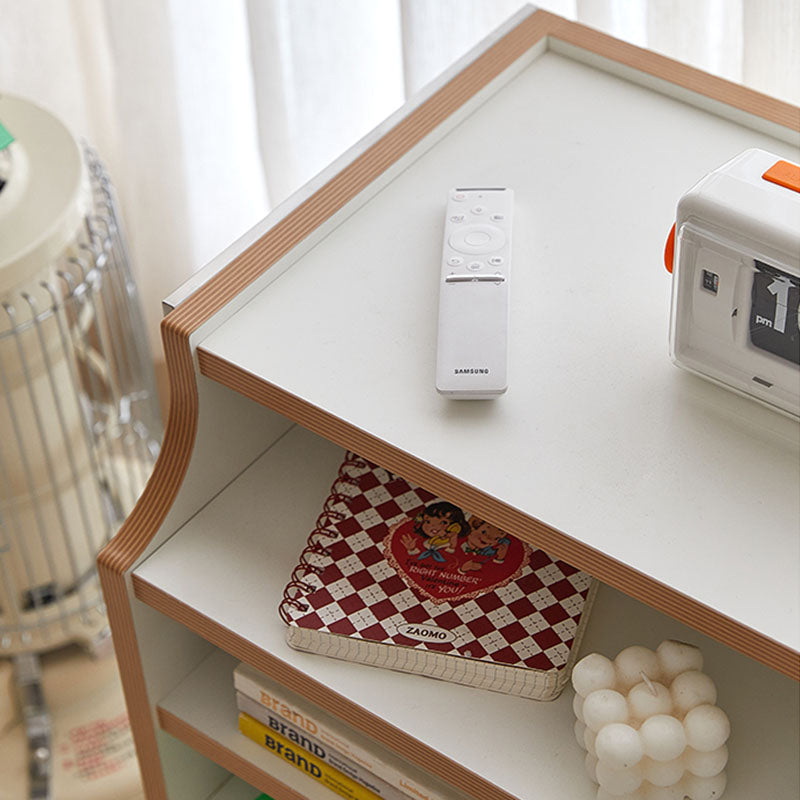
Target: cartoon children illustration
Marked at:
483, 542
439, 525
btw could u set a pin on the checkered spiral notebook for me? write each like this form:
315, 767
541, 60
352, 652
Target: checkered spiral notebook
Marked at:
396, 577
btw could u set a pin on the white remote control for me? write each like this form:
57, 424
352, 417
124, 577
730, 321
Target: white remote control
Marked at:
472, 352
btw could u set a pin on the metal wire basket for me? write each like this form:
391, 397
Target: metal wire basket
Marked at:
79, 425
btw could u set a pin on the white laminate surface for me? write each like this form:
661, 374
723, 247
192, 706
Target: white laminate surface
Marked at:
599, 435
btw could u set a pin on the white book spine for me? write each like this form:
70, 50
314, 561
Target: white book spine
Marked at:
249, 683
329, 755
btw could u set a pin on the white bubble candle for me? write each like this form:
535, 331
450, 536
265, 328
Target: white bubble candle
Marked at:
649, 723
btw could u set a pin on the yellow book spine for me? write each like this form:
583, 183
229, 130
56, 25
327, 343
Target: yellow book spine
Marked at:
303, 760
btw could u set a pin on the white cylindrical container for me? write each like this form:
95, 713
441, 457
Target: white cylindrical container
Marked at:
78, 414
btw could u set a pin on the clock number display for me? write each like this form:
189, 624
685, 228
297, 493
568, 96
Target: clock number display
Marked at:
775, 312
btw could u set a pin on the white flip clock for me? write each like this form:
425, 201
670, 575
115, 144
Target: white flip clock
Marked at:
734, 254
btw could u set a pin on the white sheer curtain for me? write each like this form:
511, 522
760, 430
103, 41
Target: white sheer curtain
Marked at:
208, 112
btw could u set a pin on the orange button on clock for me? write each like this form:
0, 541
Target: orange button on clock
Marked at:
784, 173
669, 249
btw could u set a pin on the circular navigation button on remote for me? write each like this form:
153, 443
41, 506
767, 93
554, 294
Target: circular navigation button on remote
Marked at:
477, 239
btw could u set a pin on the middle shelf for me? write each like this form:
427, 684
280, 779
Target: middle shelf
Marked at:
222, 576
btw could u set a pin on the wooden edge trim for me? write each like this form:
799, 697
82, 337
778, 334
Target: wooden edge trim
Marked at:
126, 651
226, 758
117, 558
119, 554
394, 739
621, 576
733, 94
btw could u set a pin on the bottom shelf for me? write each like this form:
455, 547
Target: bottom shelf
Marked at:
236, 789
764, 709
210, 727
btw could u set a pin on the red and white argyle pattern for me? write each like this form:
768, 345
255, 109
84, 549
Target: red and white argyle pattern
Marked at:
530, 622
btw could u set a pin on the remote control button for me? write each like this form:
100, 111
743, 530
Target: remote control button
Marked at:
459, 196
479, 209
496, 261
497, 217
457, 218
455, 261
474, 265
477, 239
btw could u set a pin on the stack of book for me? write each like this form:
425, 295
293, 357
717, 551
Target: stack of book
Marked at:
321, 746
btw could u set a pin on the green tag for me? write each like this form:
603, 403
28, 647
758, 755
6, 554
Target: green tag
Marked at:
264, 797
5, 137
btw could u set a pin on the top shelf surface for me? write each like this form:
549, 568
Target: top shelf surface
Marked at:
599, 437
